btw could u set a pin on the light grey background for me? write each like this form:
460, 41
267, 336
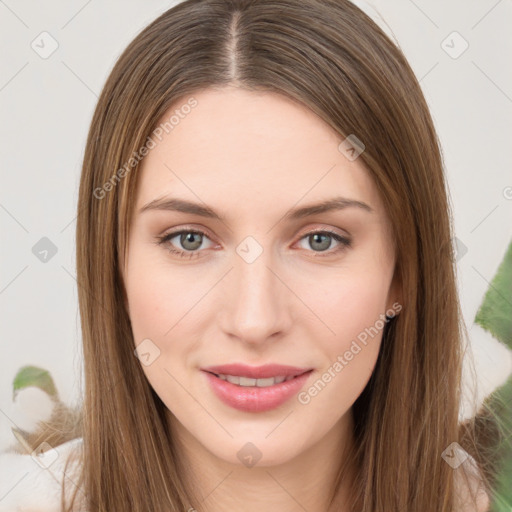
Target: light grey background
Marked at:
47, 104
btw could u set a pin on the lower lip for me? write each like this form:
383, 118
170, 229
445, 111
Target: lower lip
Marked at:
255, 399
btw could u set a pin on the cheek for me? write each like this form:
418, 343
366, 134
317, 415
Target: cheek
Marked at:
165, 307
351, 302
354, 313
158, 296
147, 303
352, 307
157, 302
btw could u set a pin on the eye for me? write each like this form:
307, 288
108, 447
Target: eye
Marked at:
321, 242
190, 240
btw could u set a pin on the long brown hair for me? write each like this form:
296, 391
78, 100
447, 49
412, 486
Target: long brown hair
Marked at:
330, 56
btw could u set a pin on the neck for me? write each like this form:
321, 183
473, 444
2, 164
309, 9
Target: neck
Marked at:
305, 481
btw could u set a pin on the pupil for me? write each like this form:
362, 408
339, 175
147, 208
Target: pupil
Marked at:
326, 243
189, 238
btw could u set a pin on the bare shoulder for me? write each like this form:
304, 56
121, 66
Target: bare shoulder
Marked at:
469, 487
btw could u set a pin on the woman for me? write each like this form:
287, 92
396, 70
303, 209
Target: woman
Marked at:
265, 269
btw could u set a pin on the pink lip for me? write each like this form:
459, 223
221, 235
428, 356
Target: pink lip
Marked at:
253, 398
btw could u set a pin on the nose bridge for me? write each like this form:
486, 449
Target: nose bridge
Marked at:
255, 305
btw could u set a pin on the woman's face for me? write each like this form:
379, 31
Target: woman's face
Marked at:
224, 268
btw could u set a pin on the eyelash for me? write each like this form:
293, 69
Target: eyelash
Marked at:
345, 242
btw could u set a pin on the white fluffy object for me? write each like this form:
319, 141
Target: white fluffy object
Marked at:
32, 483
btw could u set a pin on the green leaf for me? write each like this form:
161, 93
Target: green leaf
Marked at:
495, 316
34, 376
499, 402
495, 313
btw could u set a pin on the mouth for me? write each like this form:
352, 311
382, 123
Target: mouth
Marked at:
256, 389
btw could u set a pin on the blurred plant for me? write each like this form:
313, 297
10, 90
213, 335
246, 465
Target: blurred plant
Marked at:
63, 424
495, 316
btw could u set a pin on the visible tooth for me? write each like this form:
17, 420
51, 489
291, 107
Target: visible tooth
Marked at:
263, 383
233, 379
290, 377
246, 381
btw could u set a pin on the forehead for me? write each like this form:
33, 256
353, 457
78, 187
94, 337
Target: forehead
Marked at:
248, 149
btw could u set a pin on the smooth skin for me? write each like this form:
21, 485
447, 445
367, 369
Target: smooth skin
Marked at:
252, 157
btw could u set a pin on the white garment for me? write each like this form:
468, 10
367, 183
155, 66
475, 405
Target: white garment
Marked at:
33, 483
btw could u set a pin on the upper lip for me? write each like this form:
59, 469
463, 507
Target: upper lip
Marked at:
256, 372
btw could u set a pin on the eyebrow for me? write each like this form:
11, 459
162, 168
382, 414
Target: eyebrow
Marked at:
181, 205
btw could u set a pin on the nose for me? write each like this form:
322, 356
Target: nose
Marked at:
256, 302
